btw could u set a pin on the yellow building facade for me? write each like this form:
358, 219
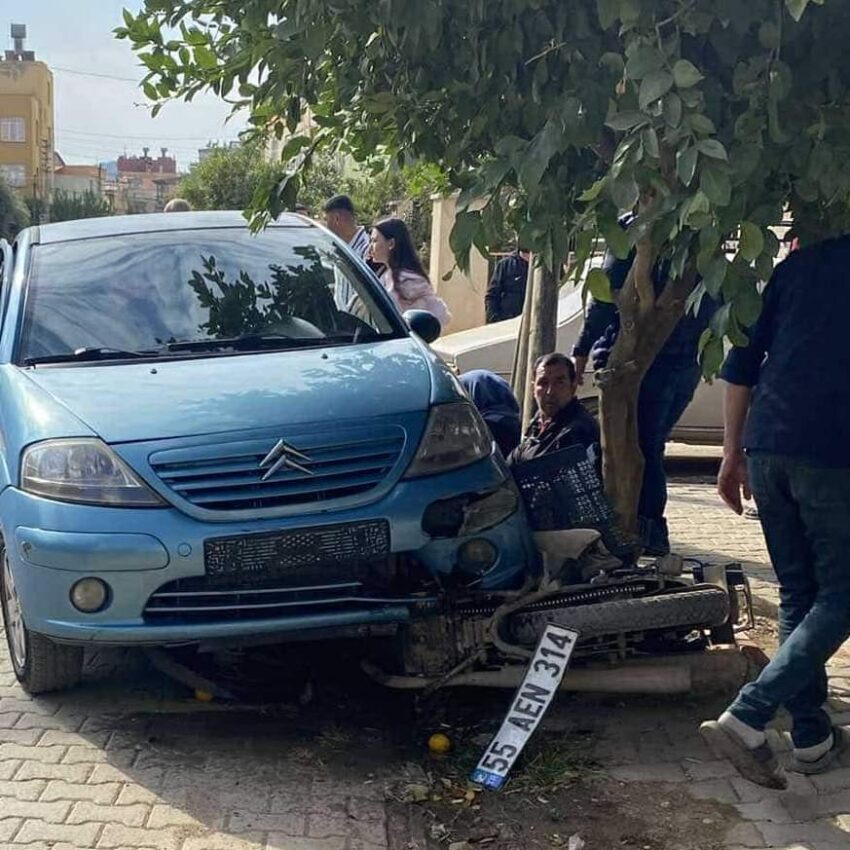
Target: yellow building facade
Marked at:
26, 125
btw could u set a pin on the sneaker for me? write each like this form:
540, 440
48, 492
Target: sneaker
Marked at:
840, 742
759, 765
751, 513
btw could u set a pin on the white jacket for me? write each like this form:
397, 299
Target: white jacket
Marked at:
414, 292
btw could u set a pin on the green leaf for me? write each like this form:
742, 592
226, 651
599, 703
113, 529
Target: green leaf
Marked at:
617, 240
150, 91
625, 192
686, 164
462, 236
712, 357
293, 147
702, 124
686, 74
613, 62
714, 276
796, 8
673, 110
644, 60
720, 320
599, 286
712, 148
650, 142
543, 147
593, 192
608, 11
694, 300
629, 12
653, 87
624, 121
751, 243
747, 305
205, 58
716, 185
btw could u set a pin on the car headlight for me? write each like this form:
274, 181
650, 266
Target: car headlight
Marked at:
83, 470
455, 436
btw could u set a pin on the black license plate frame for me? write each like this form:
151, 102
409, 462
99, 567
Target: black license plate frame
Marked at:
305, 555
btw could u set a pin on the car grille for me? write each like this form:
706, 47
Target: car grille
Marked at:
228, 476
201, 599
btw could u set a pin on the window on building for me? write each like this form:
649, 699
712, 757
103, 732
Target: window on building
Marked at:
14, 175
12, 130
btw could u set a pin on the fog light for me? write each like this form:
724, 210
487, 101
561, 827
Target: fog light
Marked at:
477, 556
89, 595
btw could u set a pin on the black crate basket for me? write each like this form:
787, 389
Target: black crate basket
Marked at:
563, 490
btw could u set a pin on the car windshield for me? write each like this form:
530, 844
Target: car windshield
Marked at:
209, 290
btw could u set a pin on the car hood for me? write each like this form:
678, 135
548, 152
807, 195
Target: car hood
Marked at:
164, 399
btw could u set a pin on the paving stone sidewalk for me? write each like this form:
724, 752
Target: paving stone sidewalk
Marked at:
120, 766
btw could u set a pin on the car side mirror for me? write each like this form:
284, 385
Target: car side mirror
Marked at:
424, 324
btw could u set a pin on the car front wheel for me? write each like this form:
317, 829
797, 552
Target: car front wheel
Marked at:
40, 665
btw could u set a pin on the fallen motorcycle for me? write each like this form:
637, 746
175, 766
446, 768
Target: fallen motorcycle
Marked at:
644, 626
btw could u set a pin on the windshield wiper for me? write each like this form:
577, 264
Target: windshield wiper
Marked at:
246, 342
91, 353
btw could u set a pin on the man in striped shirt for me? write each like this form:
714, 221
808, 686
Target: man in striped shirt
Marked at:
340, 220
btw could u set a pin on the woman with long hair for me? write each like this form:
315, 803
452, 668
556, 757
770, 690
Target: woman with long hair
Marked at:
404, 278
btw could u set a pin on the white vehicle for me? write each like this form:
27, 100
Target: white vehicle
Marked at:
492, 347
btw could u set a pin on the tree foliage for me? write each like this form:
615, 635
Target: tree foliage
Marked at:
711, 119
13, 213
68, 206
718, 114
227, 178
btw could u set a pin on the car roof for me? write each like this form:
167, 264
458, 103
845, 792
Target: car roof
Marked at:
122, 225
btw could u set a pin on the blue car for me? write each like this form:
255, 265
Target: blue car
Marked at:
213, 437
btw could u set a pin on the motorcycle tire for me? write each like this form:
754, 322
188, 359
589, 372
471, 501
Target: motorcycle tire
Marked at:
705, 606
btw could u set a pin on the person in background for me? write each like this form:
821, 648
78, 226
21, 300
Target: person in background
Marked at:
666, 390
785, 442
340, 220
303, 209
178, 205
404, 278
496, 403
561, 420
506, 290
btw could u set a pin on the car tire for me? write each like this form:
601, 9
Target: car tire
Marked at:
40, 665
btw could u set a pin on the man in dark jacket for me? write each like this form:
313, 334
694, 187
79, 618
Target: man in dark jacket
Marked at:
561, 420
506, 290
665, 392
787, 419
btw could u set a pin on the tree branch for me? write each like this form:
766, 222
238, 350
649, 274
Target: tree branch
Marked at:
642, 272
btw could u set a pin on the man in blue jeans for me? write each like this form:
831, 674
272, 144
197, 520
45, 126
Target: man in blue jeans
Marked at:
665, 392
787, 440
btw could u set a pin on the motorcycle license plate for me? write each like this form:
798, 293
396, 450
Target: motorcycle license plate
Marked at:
531, 701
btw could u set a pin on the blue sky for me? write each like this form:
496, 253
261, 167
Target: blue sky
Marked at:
97, 117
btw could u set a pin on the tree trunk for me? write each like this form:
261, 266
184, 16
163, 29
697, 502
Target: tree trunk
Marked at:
622, 459
646, 323
519, 372
544, 326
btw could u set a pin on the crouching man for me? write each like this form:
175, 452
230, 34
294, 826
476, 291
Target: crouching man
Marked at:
561, 420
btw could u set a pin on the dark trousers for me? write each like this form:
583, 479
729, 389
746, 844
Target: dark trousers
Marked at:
664, 395
804, 511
